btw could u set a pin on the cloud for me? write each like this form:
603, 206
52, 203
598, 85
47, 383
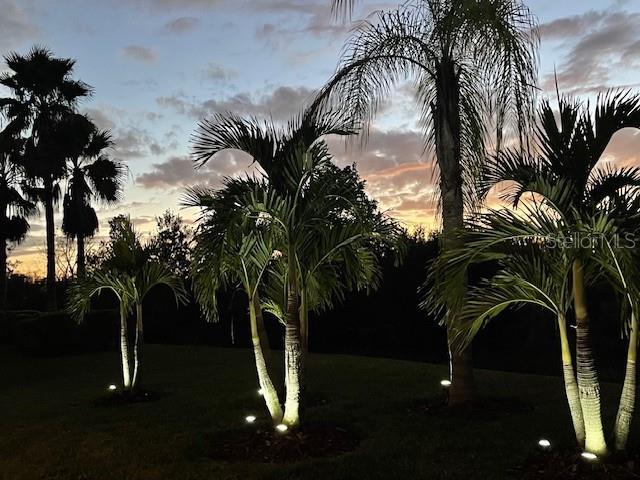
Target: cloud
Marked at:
100, 118
281, 103
397, 172
155, 5
16, 25
139, 53
218, 73
599, 44
570, 27
181, 25
179, 171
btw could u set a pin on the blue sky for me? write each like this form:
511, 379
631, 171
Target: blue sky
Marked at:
157, 66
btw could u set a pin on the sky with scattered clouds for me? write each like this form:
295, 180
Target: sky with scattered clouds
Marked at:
158, 66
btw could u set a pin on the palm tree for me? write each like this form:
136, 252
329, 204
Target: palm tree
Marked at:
470, 60
91, 175
79, 304
43, 92
317, 215
530, 273
150, 276
131, 286
14, 208
229, 249
565, 176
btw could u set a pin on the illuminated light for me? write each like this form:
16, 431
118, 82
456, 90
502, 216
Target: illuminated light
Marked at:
589, 456
544, 443
445, 383
250, 418
282, 427
260, 391
112, 387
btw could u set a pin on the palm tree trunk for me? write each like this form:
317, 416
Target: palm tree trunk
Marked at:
262, 355
628, 396
570, 384
51, 245
137, 348
124, 350
304, 323
588, 384
81, 262
446, 118
293, 356
3, 275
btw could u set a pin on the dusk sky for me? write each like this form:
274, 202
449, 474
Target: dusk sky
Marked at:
158, 66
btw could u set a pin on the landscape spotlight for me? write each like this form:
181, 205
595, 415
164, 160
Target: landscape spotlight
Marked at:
282, 428
544, 443
589, 456
250, 418
445, 383
112, 387
260, 391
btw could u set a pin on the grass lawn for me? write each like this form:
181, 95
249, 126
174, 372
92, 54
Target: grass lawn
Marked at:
51, 427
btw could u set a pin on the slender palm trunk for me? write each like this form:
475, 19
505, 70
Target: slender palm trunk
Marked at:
262, 355
628, 396
588, 384
3, 274
124, 350
81, 261
446, 118
137, 349
293, 356
570, 384
51, 245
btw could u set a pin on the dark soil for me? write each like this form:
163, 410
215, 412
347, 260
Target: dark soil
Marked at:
568, 464
485, 408
114, 399
262, 444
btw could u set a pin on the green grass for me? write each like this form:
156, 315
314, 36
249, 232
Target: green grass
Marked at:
50, 427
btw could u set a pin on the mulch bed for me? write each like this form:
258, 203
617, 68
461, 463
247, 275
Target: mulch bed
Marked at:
482, 408
568, 464
260, 443
118, 398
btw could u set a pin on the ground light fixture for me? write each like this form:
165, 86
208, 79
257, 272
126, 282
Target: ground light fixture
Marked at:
589, 456
282, 428
445, 383
544, 443
260, 392
112, 387
250, 418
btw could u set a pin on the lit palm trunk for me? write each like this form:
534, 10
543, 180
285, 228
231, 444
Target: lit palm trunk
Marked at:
293, 360
446, 115
628, 396
588, 385
137, 348
570, 384
124, 350
263, 360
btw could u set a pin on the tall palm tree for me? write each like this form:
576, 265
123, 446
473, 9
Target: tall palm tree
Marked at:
91, 175
317, 216
470, 60
131, 286
566, 177
14, 207
43, 92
